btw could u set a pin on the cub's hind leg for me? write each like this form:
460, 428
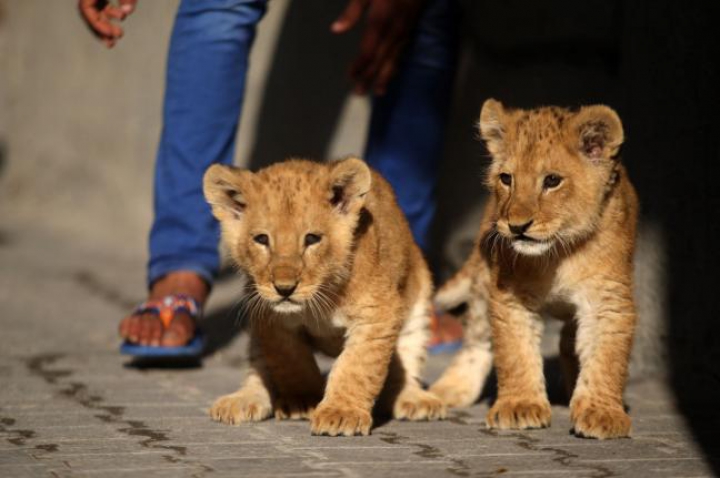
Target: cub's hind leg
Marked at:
403, 395
461, 384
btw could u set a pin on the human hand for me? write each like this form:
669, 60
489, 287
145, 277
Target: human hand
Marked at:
101, 17
387, 31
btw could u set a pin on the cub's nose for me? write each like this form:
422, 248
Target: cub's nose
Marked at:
285, 290
520, 228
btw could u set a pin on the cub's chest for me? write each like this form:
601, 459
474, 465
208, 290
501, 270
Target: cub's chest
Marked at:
327, 334
545, 288
319, 326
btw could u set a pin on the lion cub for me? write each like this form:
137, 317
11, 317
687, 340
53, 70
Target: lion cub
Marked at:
558, 238
332, 267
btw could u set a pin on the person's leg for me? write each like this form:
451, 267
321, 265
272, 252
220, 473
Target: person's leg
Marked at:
206, 70
407, 126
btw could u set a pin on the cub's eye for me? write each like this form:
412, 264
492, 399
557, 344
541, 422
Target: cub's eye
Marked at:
552, 181
311, 239
506, 179
262, 239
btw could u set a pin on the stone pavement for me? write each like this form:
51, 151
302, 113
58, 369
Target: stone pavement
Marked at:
70, 405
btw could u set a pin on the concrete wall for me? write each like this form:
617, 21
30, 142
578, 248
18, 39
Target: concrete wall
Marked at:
79, 124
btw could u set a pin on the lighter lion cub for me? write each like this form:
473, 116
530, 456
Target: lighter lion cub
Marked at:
333, 268
557, 237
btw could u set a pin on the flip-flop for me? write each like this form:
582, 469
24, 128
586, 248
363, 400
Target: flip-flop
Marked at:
165, 309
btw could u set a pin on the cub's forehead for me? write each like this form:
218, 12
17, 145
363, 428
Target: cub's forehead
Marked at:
296, 192
540, 127
539, 137
290, 182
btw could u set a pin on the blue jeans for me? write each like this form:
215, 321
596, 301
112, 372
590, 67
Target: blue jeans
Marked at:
205, 83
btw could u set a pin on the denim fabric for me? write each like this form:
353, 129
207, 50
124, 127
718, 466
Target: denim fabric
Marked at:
407, 126
207, 63
205, 83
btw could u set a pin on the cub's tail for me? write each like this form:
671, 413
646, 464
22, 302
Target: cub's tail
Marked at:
458, 290
455, 292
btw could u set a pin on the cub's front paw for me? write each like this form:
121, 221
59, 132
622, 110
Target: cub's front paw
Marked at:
340, 420
295, 408
419, 405
240, 407
519, 414
599, 421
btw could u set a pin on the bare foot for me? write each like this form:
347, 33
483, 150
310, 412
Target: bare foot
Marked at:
147, 329
445, 329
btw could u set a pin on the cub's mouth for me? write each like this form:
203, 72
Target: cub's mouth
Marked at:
530, 246
286, 305
524, 238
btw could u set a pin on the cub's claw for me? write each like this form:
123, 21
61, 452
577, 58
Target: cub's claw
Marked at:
239, 407
519, 414
334, 420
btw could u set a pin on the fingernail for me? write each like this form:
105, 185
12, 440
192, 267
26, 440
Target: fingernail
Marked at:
126, 8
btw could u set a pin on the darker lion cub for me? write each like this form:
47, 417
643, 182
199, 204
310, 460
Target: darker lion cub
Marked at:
558, 237
332, 267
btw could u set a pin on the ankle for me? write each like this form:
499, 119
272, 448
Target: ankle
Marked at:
181, 282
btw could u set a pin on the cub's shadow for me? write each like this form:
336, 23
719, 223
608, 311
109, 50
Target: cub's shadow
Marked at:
553, 382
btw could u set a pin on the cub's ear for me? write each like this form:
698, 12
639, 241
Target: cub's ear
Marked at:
223, 187
350, 181
599, 131
492, 124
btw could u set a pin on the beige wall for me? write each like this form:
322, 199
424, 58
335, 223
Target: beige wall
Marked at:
80, 123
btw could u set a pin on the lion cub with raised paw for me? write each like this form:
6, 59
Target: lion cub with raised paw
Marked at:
332, 267
557, 237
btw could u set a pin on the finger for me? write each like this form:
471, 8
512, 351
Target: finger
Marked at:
116, 31
386, 73
376, 40
381, 69
369, 49
386, 65
350, 16
114, 13
368, 69
128, 6
97, 22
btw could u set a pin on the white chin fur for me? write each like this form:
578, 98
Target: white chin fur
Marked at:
530, 248
287, 307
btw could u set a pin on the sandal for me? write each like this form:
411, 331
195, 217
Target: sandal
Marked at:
445, 334
165, 309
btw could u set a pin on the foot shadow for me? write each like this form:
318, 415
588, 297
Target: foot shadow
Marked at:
553, 383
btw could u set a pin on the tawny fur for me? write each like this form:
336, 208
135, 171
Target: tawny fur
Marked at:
361, 293
574, 261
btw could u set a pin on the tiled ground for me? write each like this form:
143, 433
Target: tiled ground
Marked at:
71, 406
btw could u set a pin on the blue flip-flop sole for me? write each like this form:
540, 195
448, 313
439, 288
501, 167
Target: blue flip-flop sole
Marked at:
445, 347
194, 348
